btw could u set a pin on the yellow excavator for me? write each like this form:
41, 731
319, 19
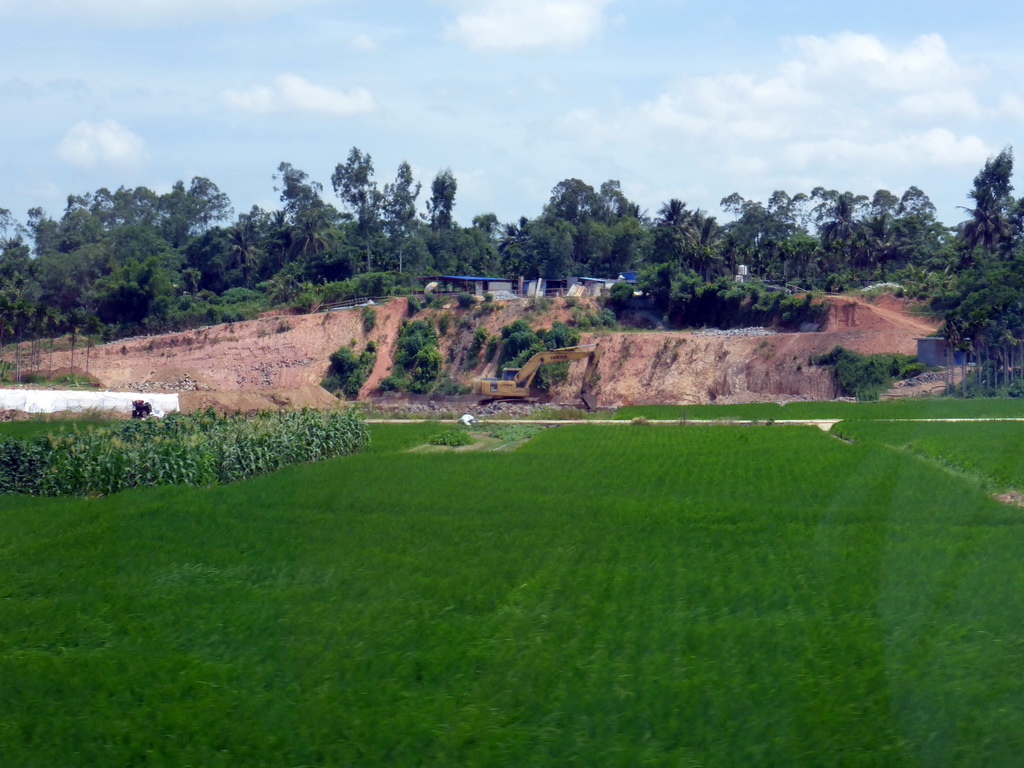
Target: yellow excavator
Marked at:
514, 383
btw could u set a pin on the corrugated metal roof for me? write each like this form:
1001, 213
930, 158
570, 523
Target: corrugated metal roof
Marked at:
469, 277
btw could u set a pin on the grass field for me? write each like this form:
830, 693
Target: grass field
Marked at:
915, 408
603, 596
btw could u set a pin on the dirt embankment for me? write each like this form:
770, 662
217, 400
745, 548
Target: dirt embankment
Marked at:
279, 361
695, 368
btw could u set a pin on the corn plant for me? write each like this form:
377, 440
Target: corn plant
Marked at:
199, 449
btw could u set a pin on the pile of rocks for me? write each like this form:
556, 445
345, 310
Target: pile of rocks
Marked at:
928, 377
181, 383
264, 375
730, 332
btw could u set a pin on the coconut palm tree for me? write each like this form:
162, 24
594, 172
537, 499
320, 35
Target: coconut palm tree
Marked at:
704, 235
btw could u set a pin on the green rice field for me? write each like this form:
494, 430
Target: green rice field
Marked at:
911, 408
631, 595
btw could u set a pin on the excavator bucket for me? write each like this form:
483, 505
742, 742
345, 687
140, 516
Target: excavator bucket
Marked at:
590, 401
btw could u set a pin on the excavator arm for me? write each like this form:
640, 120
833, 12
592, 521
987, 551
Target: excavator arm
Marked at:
515, 383
526, 374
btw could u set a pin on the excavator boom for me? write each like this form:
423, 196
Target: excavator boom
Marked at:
515, 383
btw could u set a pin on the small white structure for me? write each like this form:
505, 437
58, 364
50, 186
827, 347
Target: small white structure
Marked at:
468, 420
53, 401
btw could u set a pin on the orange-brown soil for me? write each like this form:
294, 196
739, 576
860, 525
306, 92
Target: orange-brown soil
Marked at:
279, 361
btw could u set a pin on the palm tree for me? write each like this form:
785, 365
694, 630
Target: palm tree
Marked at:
704, 234
513, 248
842, 221
880, 237
672, 231
989, 225
243, 239
673, 214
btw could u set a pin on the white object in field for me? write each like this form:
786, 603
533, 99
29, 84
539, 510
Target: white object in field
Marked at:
468, 420
52, 401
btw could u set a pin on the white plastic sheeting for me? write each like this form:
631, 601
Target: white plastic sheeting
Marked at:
51, 401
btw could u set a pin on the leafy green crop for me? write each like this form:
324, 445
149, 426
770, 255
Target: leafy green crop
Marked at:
667, 596
197, 449
452, 438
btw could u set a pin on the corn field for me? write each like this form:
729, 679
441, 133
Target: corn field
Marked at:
201, 449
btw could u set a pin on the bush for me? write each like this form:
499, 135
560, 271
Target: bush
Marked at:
465, 300
369, 315
492, 347
418, 356
865, 377
620, 294
448, 386
452, 438
348, 372
478, 342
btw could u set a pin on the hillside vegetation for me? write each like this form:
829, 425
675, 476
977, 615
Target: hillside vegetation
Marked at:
120, 263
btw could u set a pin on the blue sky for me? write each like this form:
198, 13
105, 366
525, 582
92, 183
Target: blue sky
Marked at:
673, 98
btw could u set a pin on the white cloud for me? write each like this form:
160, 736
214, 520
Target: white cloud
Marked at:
292, 93
934, 147
363, 42
108, 143
131, 13
1012, 106
924, 64
518, 24
847, 99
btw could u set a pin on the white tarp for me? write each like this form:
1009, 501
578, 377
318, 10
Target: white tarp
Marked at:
51, 401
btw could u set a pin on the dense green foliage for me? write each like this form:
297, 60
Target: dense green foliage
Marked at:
131, 260
866, 377
685, 299
453, 438
348, 372
816, 603
417, 358
180, 449
521, 342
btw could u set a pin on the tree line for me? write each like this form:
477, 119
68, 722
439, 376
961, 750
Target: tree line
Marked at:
132, 260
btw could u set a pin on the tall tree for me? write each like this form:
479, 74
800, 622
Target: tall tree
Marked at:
989, 225
353, 183
399, 209
442, 200
838, 215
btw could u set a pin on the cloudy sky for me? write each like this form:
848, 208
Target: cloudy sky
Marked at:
673, 98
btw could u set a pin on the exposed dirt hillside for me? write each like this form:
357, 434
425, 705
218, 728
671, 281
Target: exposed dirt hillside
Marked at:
279, 361
694, 367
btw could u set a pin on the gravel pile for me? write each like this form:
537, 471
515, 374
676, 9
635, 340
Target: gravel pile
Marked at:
503, 295
262, 375
506, 409
732, 332
928, 377
182, 383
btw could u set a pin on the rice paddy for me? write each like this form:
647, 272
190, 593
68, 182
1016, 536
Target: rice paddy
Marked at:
603, 595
